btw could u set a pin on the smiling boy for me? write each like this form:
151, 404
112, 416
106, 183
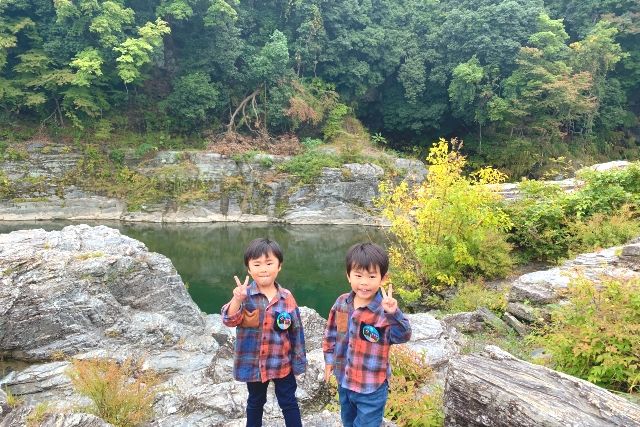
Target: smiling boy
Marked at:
269, 336
361, 327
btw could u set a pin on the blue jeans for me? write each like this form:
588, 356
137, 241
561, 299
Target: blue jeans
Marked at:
363, 410
286, 395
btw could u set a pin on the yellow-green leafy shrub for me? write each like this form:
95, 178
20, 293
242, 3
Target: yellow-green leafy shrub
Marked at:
448, 228
597, 336
407, 405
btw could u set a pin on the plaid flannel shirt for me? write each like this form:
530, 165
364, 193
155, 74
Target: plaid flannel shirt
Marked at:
265, 352
360, 362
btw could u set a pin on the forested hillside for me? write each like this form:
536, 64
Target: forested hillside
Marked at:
517, 80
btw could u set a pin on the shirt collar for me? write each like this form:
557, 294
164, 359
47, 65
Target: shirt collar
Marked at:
374, 305
254, 290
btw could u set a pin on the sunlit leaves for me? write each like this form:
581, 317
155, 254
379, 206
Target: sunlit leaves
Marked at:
109, 23
88, 64
446, 228
134, 53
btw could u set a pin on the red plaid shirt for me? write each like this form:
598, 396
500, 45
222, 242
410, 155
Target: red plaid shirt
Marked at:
356, 342
264, 351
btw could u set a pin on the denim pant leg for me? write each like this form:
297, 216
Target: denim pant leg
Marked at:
363, 410
255, 402
286, 395
347, 407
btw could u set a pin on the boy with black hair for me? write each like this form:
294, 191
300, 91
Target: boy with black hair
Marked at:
269, 336
361, 327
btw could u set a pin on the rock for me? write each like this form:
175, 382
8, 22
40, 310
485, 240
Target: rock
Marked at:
528, 313
313, 325
320, 419
496, 389
521, 329
434, 338
539, 287
238, 191
532, 296
467, 322
491, 319
630, 256
616, 164
69, 291
74, 420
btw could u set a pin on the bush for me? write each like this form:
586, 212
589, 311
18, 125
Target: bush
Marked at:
604, 231
122, 394
473, 295
549, 224
448, 228
540, 225
308, 165
407, 405
597, 336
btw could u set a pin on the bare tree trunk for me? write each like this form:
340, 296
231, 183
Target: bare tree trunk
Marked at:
232, 121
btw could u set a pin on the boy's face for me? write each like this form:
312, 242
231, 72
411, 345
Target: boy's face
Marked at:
365, 282
264, 270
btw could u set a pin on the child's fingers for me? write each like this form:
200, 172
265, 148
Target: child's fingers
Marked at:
390, 290
246, 281
237, 281
384, 294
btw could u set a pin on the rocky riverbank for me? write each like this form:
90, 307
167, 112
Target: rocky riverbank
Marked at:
90, 292
51, 181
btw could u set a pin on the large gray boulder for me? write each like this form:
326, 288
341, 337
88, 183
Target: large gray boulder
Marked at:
82, 288
498, 390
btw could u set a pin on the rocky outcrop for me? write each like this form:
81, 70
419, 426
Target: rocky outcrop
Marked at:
89, 292
532, 295
82, 288
238, 190
496, 389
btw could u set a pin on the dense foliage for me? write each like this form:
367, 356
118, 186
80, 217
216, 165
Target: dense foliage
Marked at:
453, 227
520, 81
597, 335
550, 224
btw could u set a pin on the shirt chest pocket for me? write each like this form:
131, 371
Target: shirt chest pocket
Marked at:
250, 319
342, 322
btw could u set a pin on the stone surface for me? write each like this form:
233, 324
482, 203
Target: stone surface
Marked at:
532, 295
69, 291
431, 336
239, 191
496, 389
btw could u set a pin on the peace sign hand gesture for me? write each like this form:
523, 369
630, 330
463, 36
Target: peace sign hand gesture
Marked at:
389, 303
240, 291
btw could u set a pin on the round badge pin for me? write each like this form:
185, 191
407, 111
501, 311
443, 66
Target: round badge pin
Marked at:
283, 320
371, 334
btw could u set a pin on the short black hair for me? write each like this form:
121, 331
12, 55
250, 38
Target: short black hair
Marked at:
262, 246
367, 255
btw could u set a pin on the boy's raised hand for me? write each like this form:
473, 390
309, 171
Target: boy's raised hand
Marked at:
389, 303
240, 291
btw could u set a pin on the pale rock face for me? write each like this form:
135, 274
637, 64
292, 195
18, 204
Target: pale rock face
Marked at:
259, 193
532, 293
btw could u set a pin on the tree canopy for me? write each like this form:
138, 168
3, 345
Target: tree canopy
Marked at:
550, 73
